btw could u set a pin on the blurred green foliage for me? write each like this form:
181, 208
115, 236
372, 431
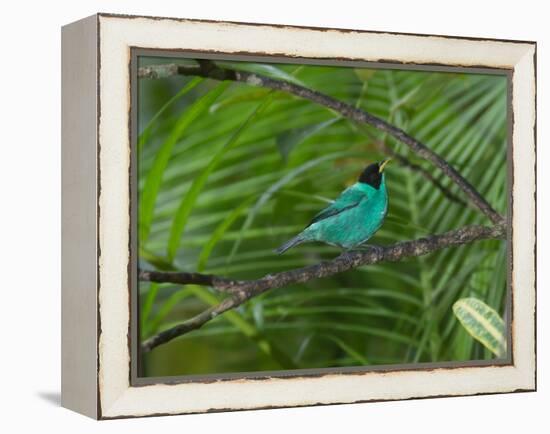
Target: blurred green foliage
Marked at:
227, 172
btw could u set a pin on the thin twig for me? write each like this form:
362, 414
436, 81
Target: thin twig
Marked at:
243, 290
209, 69
405, 162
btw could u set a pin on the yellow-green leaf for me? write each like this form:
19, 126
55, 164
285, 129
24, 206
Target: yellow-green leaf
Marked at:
483, 323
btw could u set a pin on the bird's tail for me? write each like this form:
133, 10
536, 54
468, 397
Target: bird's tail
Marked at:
290, 243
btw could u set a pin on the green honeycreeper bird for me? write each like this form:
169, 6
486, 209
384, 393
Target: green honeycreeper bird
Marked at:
353, 217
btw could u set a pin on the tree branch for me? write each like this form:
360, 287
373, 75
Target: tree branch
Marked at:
219, 283
209, 69
243, 290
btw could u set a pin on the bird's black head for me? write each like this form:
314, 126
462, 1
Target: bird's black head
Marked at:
372, 175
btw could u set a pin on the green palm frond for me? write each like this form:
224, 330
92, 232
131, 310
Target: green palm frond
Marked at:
238, 202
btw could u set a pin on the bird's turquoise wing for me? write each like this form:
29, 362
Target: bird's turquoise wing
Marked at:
350, 198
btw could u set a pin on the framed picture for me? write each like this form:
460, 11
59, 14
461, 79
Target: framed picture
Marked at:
262, 216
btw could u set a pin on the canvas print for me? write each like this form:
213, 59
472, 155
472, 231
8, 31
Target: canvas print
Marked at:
301, 216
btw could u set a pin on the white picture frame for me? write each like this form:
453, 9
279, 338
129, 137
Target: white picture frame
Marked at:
97, 345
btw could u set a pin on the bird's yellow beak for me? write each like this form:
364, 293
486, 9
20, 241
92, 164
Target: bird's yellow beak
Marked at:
383, 165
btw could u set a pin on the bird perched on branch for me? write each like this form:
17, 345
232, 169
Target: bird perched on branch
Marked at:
353, 217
